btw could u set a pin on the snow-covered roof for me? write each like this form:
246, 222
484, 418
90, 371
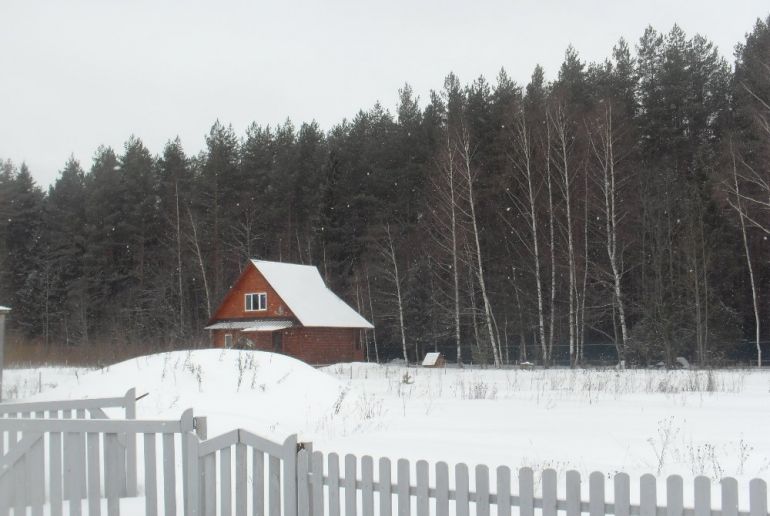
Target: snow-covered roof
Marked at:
303, 290
431, 358
251, 325
268, 326
4, 309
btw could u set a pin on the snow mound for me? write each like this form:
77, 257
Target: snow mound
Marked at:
269, 394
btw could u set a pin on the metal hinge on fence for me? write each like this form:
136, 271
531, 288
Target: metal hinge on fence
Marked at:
200, 425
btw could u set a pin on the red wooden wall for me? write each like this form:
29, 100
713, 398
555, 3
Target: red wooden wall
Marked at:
311, 345
251, 281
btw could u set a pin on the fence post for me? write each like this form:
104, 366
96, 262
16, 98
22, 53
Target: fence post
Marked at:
131, 445
187, 424
290, 476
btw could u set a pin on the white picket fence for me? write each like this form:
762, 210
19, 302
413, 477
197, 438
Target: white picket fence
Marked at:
368, 491
50, 464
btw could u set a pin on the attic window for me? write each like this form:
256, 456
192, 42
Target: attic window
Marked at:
256, 302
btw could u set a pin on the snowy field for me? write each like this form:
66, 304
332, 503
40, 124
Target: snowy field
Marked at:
643, 421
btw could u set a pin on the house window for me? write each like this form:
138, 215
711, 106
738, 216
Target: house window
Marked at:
256, 302
228, 340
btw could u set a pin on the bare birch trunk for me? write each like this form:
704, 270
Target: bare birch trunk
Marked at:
547, 353
397, 281
531, 215
179, 259
582, 335
746, 249
199, 255
522, 339
450, 177
371, 313
606, 157
560, 125
466, 155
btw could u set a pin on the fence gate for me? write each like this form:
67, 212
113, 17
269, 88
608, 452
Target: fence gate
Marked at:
242, 473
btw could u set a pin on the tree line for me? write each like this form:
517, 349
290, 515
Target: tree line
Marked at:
617, 212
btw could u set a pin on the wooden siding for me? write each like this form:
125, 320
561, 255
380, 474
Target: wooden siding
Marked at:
312, 345
323, 345
251, 281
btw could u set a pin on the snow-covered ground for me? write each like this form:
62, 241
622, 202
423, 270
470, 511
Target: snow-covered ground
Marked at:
643, 421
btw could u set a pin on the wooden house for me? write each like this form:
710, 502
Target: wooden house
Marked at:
286, 308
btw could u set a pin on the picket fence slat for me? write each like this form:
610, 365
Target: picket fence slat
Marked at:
334, 484
169, 475
318, 484
503, 491
303, 488
75, 472
729, 497
274, 484
482, 490
67, 450
402, 489
422, 489
385, 488
702, 496
573, 493
758, 497
367, 486
622, 488
258, 483
150, 476
550, 492
350, 486
240, 479
526, 492
462, 499
81, 453
288, 458
210, 484
55, 473
225, 487
674, 496
596, 494
111, 474
442, 488
94, 475
648, 502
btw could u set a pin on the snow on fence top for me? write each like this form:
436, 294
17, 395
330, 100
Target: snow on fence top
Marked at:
303, 290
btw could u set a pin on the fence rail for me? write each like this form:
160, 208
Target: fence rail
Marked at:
96, 405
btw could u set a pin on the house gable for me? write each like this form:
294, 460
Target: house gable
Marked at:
251, 281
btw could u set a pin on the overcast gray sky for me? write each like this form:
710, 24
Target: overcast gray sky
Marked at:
79, 73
